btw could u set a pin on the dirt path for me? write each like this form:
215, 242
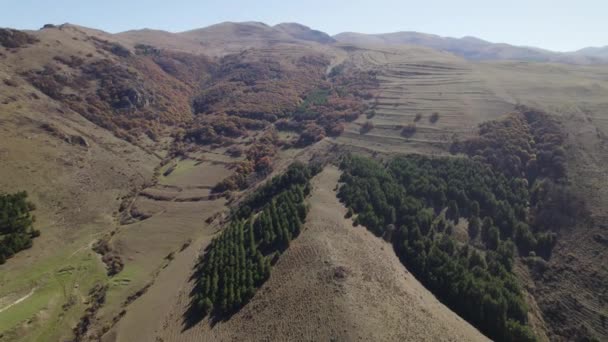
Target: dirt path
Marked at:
18, 300
335, 282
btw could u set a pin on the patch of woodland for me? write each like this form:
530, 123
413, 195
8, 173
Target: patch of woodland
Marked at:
128, 94
260, 85
256, 166
529, 145
16, 224
13, 39
217, 129
291, 92
415, 201
109, 257
322, 111
238, 261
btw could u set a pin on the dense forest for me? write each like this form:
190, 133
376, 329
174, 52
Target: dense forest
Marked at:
415, 201
16, 224
513, 192
529, 145
261, 227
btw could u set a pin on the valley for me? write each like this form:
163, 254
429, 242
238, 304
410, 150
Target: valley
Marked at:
138, 149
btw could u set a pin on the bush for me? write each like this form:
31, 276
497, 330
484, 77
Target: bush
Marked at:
366, 127
408, 131
234, 151
349, 213
11, 39
119, 50
434, 118
16, 224
311, 134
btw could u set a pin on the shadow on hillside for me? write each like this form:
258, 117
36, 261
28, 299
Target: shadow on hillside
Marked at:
193, 315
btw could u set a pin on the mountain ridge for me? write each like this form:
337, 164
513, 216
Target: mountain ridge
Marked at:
473, 48
252, 34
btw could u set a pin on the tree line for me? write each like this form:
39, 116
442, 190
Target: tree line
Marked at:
238, 261
16, 224
414, 202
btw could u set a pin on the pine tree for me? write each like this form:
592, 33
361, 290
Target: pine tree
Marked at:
251, 238
453, 213
474, 227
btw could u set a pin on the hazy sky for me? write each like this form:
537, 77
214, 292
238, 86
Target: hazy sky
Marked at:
560, 25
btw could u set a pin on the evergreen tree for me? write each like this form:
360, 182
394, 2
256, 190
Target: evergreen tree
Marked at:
474, 227
453, 213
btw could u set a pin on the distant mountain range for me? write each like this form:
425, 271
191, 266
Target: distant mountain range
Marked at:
230, 37
476, 49
600, 52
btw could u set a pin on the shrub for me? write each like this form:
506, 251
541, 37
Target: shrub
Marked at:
16, 224
234, 151
11, 39
408, 131
366, 127
311, 134
349, 213
119, 50
434, 118
10, 83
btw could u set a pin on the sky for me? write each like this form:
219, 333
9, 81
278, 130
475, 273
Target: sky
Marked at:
559, 25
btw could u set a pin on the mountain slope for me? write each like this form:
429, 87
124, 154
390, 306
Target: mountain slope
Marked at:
305, 33
335, 282
229, 37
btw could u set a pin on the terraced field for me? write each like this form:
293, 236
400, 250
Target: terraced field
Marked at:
159, 248
417, 82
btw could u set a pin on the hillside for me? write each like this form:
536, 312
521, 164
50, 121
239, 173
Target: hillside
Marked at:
229, 37
334, 282
136, 149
